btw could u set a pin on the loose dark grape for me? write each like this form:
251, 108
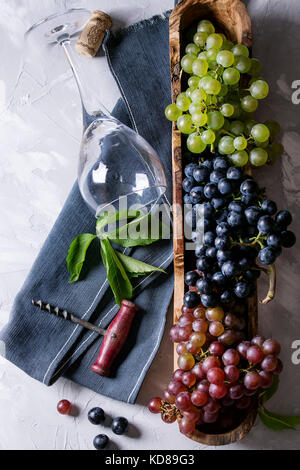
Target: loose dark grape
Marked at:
208, 164
220, 163
221, 216
252, 274
204, 286
216, 176
242, 289
269, 207
187, 184
96, 415
100, 441
200, 251
211, 252
283, 218
235, 219
191, 299
201, 174
187, 199
265, 224
196, 195
267, 255
191, 278
224, 255
274, 241
189, 169
225, 186
287, 239
252, 215
119, 425
249, 199
249, 186
219, 279
234, 173
203, 264
211, 190
226, 297
236, 206
230, 269
209, 238
209, 300
219, 203
222, 242
222, 229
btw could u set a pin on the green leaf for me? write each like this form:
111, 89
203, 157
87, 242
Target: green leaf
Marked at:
76, 254
111, 217
277, 422
134, 267
116, 274
268, 393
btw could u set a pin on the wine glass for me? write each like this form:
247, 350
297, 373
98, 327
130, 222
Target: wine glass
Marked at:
117, 167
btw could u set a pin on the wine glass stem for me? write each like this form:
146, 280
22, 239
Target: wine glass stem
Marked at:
91, 106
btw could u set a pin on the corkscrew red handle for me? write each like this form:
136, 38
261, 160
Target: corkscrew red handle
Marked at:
115, 338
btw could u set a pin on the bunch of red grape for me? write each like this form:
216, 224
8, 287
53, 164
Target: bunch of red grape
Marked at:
215, 381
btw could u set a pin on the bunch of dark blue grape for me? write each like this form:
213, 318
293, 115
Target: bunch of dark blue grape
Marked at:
233, 226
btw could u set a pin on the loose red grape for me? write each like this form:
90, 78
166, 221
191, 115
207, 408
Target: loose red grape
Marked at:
203, 386
271, 346
236, 391
243, 403
255, 354
199, 312
216, 348
189, 379
184, 332
200, 325
181, 348
155, 404
183, 401
186, 361
64, 407
174, 334
215, 375
229, 337
199, 398
212, 406
193, 414
197, 339
209, 362
186, 426
269, 363
177, 375
216, 328
267, 379
242, 348
258, 341
231, 357
252, 380
232, 374
197, 369
185, 310
218, 391
169, 397
186, 319
191, 348
279, 367
176, 387
215, 314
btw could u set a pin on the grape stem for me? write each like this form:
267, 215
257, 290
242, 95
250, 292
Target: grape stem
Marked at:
272, 284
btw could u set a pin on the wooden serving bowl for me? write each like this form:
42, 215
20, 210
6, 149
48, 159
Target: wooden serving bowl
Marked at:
231, 18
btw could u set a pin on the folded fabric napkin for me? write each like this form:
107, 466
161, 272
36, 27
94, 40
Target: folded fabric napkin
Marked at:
46, 347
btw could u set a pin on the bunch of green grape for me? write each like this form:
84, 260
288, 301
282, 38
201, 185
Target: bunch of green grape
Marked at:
223, 92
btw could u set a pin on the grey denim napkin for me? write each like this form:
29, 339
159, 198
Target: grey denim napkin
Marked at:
46, 347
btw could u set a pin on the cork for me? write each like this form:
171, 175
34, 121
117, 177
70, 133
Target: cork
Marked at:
93, 33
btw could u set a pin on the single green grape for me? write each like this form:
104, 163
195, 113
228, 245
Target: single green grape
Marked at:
227, 45
260, 133
242, 63
215, 120
253, 79
255, 67
240, 143
195, 144
200, 38
225, 145
190, 90
248, 126
231, 76
203, 81
258, 156
202, 55
205, 26
199, 67
192, 48
172, 112
195, 107
259, 89
239, 158
199, 119
185, 124
198, 95
214, 40
249, 104
208, 136
225, 58
212, 86
237, 127
193, 81
183, 102
240, 49
227, 109
224, 90
187, 62
211, 55
274, 128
